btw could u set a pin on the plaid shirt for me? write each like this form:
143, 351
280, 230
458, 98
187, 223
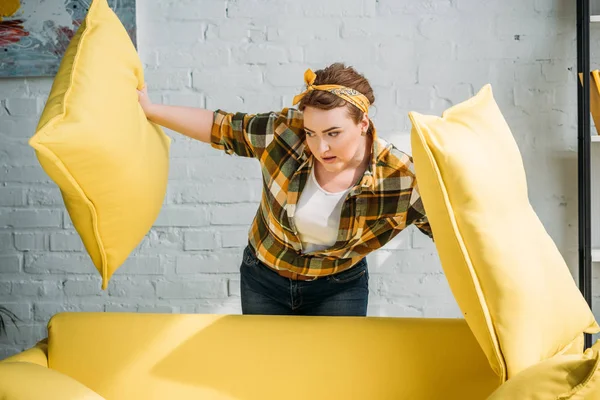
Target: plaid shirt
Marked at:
383, 203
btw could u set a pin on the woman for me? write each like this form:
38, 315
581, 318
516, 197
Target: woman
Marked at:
333, 191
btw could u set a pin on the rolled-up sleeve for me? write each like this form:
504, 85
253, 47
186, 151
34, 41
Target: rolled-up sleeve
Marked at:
246, 135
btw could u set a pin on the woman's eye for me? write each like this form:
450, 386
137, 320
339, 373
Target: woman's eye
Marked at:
309, 134
334, 134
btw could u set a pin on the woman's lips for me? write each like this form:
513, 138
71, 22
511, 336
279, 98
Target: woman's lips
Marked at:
329, 160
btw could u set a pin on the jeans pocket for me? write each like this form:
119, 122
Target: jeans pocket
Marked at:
351, 274
249, 259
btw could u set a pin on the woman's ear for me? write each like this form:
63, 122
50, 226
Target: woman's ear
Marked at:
364, 123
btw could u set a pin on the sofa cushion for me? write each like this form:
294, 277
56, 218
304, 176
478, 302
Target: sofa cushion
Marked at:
563, 377
226, 357
27, 381
94, 141
507, 275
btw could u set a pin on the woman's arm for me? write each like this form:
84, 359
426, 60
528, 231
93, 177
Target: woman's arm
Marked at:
242, 134
193, 122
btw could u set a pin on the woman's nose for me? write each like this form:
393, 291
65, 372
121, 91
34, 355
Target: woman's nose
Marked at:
323, 146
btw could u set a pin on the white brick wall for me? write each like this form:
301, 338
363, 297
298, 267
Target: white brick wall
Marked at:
250, 55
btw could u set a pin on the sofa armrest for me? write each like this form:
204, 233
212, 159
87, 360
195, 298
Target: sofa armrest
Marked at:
29, 381
570, 376
37, 354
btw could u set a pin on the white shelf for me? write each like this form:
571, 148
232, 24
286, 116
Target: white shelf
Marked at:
595, 255
595, 138
594, 18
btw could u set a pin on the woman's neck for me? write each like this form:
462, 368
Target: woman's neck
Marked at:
348, 177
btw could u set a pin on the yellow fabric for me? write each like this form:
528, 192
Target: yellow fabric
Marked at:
558, 378
508, 277
94, 141
234, 357
26, 381
38, 354
350, 95
594, 96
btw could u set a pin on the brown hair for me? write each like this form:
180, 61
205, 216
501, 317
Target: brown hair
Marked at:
339, 74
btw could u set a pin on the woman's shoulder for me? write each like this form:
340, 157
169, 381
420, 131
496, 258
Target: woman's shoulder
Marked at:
273, 122
292, 118
391, 157
277, 121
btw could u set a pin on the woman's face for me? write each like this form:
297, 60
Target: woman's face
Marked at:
334, 139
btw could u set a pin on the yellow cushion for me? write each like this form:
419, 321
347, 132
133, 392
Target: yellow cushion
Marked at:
247, 357
26, 381
508, 277
560, 377
94, 141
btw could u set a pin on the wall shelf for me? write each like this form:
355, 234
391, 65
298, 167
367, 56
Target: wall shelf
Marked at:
584, 143
595, 255
595, 138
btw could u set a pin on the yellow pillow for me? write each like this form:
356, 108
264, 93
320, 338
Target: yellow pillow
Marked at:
26, 381
508, 277
573, 377
94, 141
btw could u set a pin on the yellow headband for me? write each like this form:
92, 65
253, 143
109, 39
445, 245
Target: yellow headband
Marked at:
350, 95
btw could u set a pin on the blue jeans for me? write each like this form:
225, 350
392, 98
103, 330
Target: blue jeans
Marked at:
264, 291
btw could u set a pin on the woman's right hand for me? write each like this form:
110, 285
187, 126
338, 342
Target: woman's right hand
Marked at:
145, 101
193, 122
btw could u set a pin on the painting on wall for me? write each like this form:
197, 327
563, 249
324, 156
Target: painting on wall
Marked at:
34, 34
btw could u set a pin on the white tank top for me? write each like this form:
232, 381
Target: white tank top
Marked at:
317, 216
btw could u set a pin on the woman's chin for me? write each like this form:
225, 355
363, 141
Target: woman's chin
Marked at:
330, 166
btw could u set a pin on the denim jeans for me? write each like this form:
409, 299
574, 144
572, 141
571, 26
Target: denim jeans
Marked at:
264, 291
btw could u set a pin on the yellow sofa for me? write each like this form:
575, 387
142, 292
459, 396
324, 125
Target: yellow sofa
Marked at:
241, 357
226, 357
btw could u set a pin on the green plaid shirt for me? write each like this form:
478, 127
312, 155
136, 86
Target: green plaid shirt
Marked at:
384, 202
